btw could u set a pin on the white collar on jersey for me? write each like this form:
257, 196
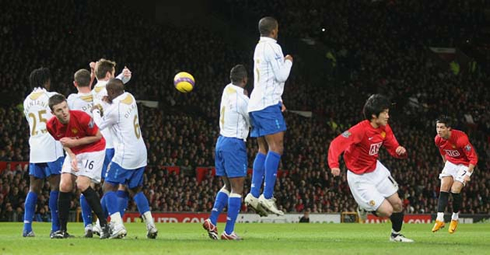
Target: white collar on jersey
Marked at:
264, 38
240, 89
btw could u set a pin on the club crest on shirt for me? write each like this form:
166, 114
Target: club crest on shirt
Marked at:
372, 203
383, 134
74, 130
346, 134
454, 146
467, 147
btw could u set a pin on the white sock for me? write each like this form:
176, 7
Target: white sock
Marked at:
440, 216
455, 216
148, 218
116, 218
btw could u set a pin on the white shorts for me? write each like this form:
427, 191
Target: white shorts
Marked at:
89, 165
371, 189
456, 171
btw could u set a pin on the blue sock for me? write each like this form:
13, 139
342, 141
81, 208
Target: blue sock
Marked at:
111, 202
122, 200
219, 203
86, 211
234, 204
141, 203
53, 207
257, 174
271, 164
29, 207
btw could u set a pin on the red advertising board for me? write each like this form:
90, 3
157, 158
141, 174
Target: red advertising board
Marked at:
409, 218
174, 217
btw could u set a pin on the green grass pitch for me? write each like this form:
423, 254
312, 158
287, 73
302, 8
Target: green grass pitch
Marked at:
190, 238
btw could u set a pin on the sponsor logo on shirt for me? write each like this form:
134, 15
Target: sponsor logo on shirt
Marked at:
452, 153
374, 148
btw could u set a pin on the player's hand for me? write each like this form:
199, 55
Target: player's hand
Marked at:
126, 72
335, 171
466, 179
400, 150
92, 65
245, 92
74, 164
288, 57
68, 142
283, 107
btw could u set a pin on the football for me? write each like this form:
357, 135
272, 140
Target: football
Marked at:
184, 82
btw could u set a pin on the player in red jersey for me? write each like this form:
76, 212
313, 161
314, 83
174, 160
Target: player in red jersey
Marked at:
460, 160
370, 181
85, 146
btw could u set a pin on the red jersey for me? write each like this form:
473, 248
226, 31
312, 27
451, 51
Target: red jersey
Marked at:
457, 149
80, 125
361, 144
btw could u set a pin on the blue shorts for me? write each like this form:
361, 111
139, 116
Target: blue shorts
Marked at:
109, 154
43, 170
231, 157
118, 175
267, 121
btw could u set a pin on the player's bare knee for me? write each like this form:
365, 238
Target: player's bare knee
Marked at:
107, 186
65, 187
36, 189
82, 186
277, 148
397, 207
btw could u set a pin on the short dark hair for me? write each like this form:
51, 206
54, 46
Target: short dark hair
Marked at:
39, 77
375, 104
82, 78
103, 66
56, 99
443, 119
115, 85
266, 25
238, 73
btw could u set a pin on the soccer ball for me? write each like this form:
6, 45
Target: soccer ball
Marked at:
184, 82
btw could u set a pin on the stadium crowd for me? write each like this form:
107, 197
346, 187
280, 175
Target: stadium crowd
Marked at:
393, 59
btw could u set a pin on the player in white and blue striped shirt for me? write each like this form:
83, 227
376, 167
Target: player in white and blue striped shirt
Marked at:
231, 153
271, 70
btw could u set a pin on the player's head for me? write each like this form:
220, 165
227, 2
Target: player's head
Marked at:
443, 127
376, 109
40, 78
238, 76
268, 27
105, 69
115, 88
59, 108
81, 79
